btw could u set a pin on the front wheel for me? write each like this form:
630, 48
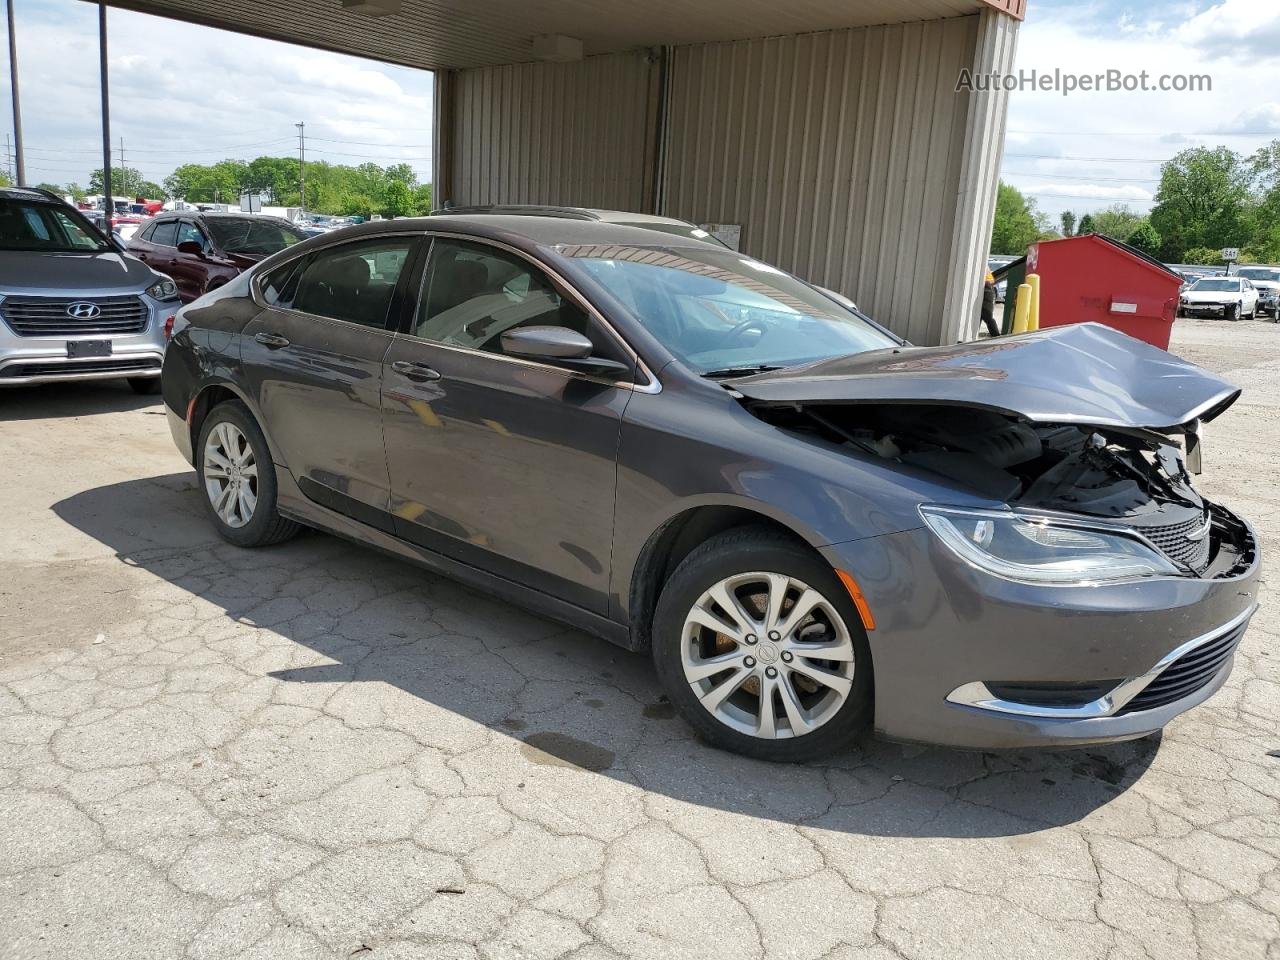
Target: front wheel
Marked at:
238, 479
1232, 312
759, 646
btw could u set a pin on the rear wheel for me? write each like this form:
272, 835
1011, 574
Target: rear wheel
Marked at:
144, 385
760, 648
238, 479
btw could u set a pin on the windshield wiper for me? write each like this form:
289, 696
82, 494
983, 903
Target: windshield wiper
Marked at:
728, 373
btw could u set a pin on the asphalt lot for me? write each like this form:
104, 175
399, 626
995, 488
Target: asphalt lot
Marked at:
313, 751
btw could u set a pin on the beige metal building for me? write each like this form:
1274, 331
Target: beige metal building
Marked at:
830, 132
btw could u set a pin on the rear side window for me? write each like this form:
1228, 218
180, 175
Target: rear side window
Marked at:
354, 282
165, 234
279, 286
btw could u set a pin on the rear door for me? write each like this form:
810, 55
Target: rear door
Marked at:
313, 360
499, 462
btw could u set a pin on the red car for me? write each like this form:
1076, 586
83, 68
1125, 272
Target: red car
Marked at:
202, 251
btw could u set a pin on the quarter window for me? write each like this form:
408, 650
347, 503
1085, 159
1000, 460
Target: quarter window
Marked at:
354, 282
474, 293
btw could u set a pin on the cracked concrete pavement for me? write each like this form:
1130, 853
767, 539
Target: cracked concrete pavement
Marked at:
314, 751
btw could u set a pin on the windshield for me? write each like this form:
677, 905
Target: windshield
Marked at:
720, 311
254, 237
49, 227
1256, 274
1216, 286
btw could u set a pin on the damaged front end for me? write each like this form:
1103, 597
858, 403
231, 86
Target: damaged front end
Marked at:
1094, 432
1136, 480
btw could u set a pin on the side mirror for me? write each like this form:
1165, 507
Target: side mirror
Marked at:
560, 346
191, 248
117, 242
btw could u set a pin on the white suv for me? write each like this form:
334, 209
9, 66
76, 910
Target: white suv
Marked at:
1228, 297
73, 305
1267, 282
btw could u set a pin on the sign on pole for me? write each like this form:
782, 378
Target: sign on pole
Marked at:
1230, 254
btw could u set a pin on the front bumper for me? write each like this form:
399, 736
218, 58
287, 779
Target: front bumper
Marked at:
26, 360
944, 630
1203, 309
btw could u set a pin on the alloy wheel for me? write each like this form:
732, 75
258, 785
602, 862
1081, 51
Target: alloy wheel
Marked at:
230, 474
767, 655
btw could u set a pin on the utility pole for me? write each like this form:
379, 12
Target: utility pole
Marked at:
108, 208
302, 164
124, 177
19, 164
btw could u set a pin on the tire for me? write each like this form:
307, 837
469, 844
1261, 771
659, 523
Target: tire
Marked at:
246, 522
144, 386
1231, 313
838, 711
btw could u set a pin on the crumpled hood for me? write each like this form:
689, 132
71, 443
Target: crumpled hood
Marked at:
68, 274
1083, 374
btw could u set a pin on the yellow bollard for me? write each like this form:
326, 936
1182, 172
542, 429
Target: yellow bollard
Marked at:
1022, 309
1033, 321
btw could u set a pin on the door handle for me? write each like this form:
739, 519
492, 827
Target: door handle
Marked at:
272, 340
415, 371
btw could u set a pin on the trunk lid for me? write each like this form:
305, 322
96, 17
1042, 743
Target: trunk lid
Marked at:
1084, 374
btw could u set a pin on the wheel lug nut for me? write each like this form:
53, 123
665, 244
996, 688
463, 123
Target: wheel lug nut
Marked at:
775, 635
787, 656
751, 639
749, 662
771, 673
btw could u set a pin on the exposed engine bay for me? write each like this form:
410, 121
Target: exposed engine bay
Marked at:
1135, 477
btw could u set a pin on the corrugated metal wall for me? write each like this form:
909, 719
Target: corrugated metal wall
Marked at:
558, 133
839, 153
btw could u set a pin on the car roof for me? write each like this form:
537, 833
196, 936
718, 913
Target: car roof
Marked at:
30, 193
573, 213
538, 230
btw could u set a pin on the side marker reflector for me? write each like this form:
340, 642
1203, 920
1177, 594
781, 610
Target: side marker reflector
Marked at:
859, 601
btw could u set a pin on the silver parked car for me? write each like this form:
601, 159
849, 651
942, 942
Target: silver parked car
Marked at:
74, 305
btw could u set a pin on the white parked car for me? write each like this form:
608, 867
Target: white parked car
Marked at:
1228, 297
1267, 282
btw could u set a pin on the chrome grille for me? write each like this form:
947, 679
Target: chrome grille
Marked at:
1172, 541
121, 365
1189, 673
48, 317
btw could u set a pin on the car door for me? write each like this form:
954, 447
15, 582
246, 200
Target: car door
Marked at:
500, 462
160, 249
313, 362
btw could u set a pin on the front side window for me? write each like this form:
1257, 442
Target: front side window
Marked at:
354, 282
720, 311
473, 293
188, 232
39, 226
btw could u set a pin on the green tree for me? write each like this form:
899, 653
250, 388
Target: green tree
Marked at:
1204, 201
1117, 222
1201, 256
397, 200
1086, 226
127, 182
221, 182
422, 200
1068, 219
1017, 224
1145, 238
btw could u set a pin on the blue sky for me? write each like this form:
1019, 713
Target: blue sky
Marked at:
1086, 151
186, 93
182, 92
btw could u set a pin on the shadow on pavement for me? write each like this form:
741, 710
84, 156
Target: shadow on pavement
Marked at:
363, 618
72, 399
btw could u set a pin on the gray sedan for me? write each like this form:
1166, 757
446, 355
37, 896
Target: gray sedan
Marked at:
812, 526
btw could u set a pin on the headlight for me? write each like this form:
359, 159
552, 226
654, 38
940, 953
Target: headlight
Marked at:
1040, 551
163, 289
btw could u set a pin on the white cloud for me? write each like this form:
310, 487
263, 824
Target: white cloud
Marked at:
184, 93
1099, 148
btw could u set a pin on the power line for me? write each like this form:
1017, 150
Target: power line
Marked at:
1067, 176
1136, 133
1051, 156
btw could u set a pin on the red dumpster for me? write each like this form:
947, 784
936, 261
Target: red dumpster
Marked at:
1095, 278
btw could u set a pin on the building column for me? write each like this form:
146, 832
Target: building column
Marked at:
985, 125
443, 84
